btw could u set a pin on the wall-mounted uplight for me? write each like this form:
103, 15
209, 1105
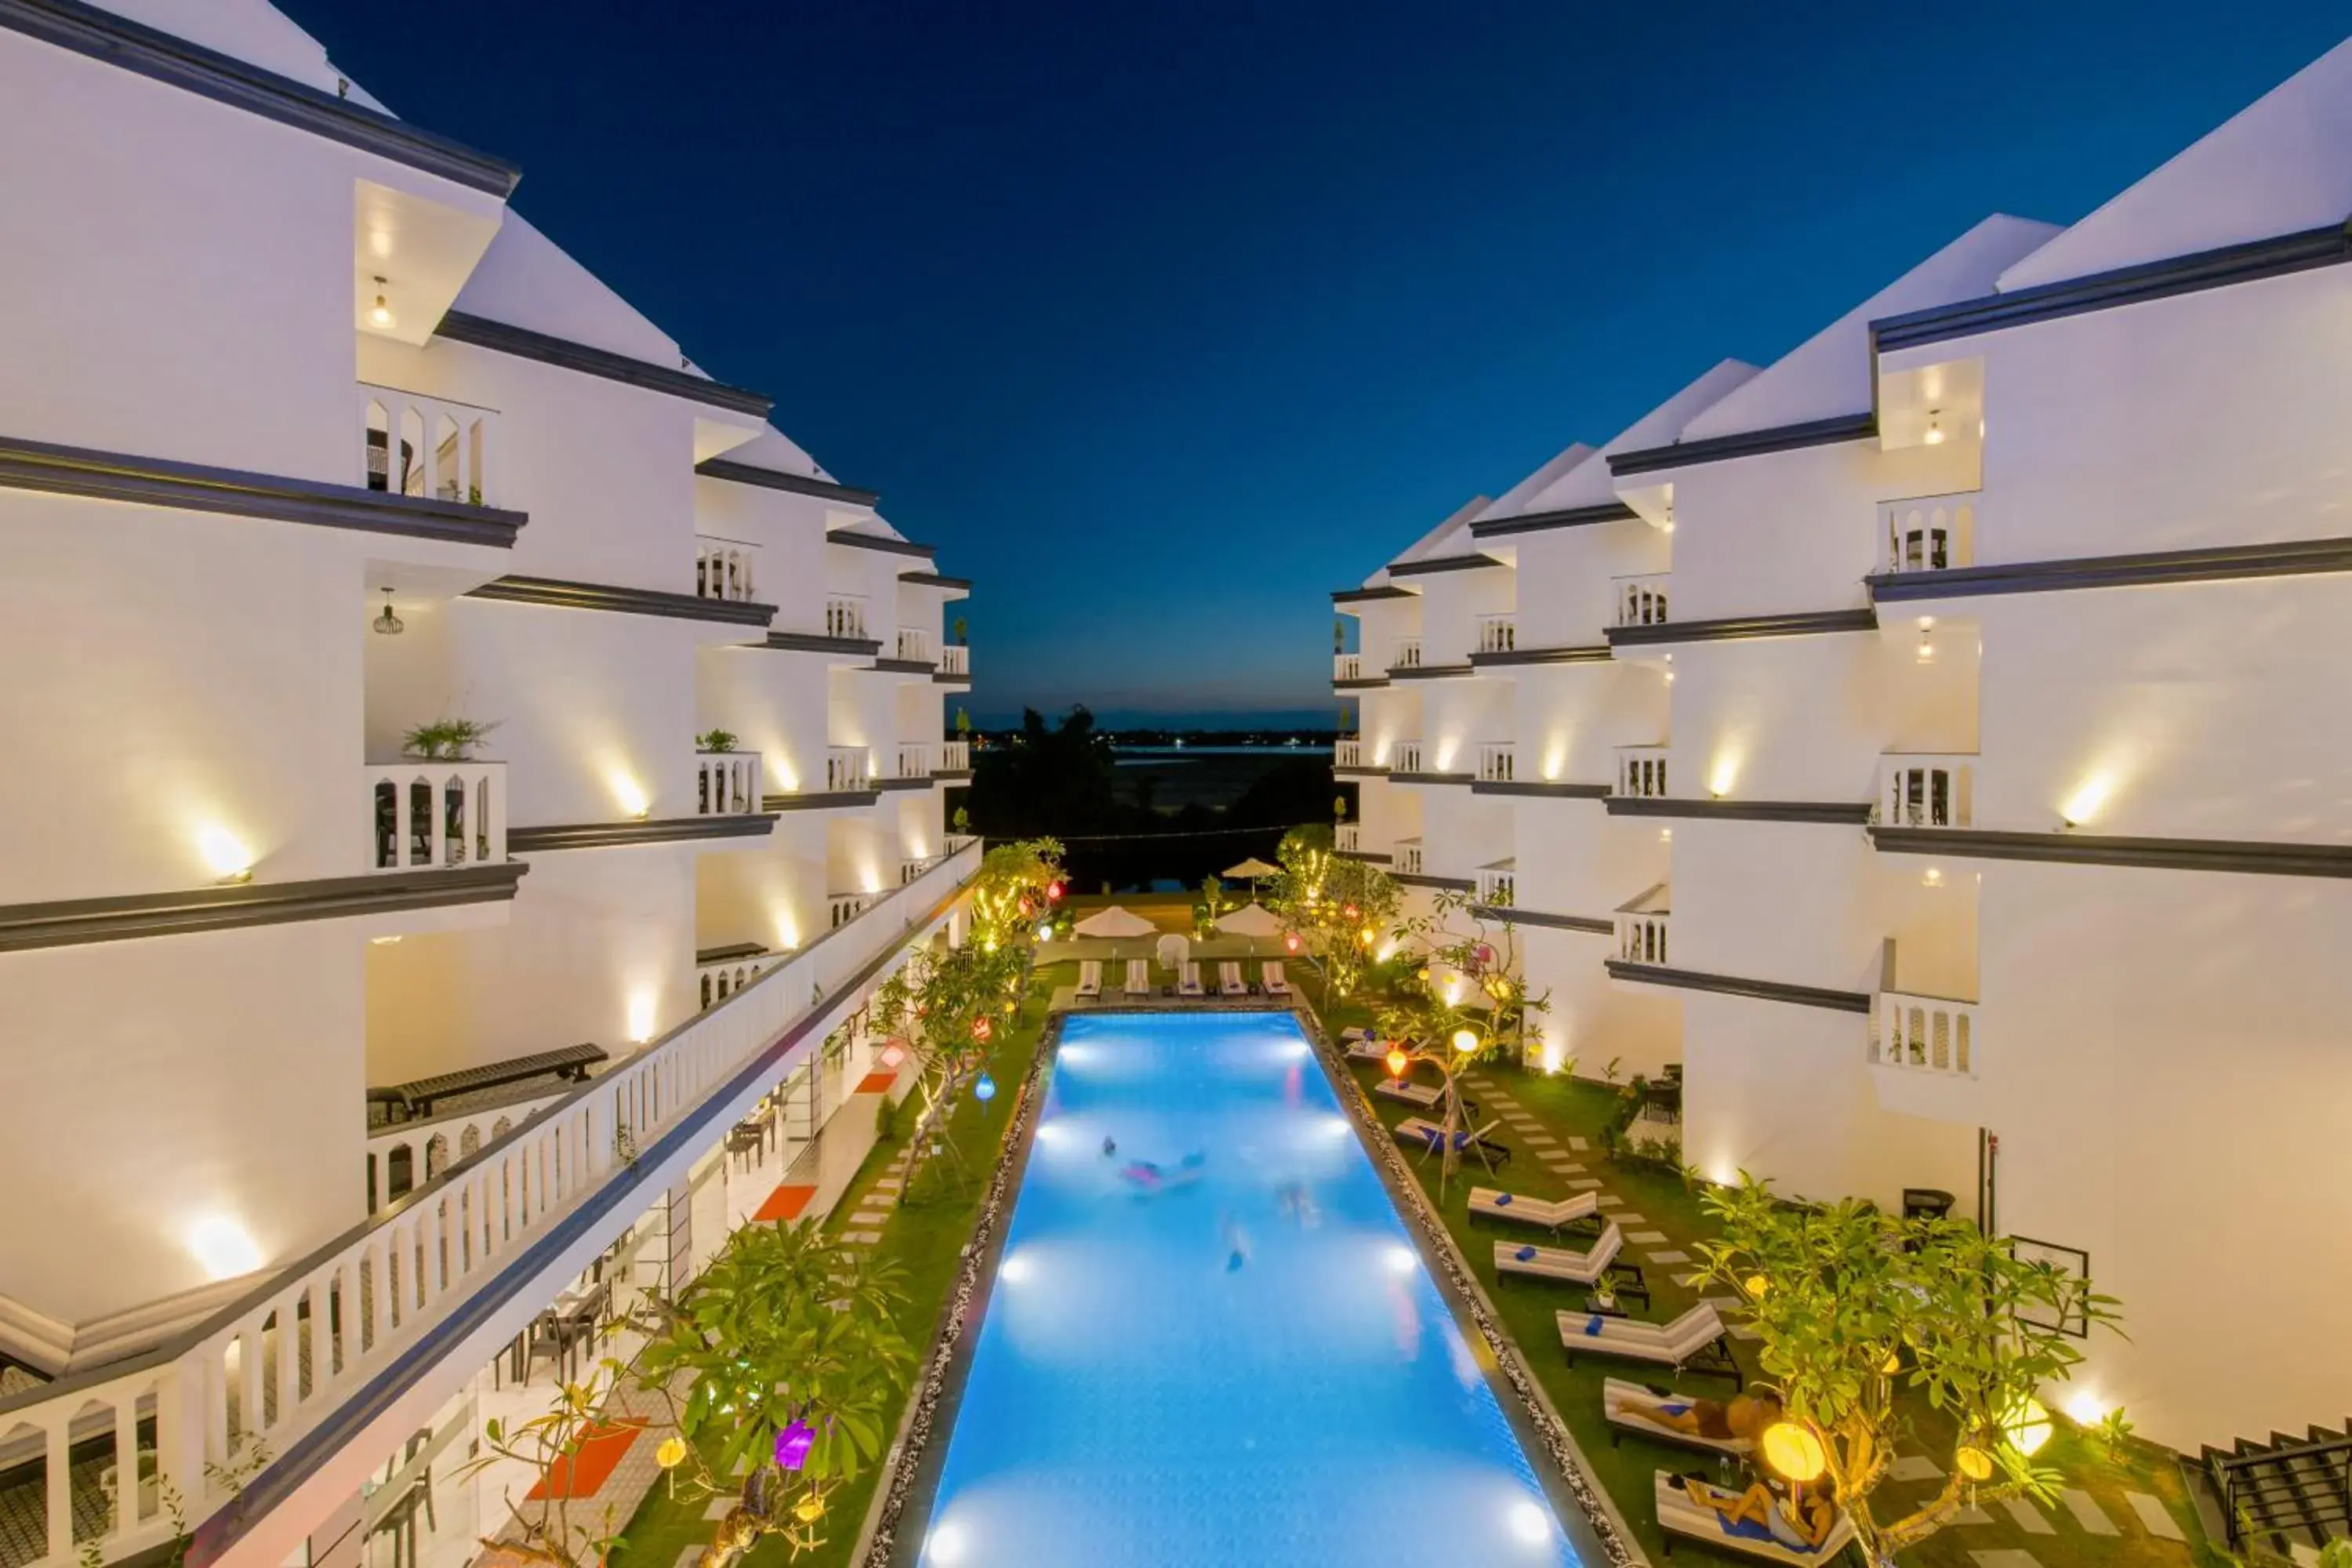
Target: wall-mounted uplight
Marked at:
641, 1017
387, 623
632, 795
225, 854
1934, 437
1665, 836
2084, 803
1725, 774
1931, 878
223, 1247
380, 314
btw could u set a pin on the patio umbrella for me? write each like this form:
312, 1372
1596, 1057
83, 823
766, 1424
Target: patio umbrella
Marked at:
1116, 922
1252, 921
1251, 870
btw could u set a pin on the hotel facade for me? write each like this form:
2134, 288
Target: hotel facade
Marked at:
468, 770
1934, 742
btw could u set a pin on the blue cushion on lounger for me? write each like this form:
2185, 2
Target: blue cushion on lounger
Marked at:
1525, 1255
1593, 1328
1502, 1200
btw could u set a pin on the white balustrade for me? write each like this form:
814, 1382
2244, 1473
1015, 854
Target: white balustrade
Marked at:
914, 760
1640, 601
720, 978
429, 446
1347, 839
274, 1366
915, 866
1927, 789
1347, 667
955, 660
726, 784
848, 907
436, 815
1642, 772
1348, 752
1924, 1034
1498, 634
1642, 937
1404, 756
845, 616
1408, 654
402, 1155
1499, 762
848, 768
1497, 886
915, 645
1408, 856
1928, 533
725, 569
955, 756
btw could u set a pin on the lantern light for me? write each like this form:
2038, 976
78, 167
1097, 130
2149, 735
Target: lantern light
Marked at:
982, 1027
1465, 1041
1794, 1451
984, 1090
893, 1054
671, 1454
1973, 1462
793, 1444
1290, 940
1396, 1061
1054, 891
1350, 912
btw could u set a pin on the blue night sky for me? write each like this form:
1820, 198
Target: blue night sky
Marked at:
1162, 320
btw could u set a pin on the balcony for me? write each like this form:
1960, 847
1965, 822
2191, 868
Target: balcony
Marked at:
848, 770
428, 447
1921, 1055
1926, 789
1408, 856
1642, 772
915, 645
955, 662
1498, 634
915, 866
1928, 533
1642, 927
846, 907
1404, 756
1348, 752
1640, 601
1498, 884
404, 1155
724, 569
1347, 839
914, 761
1499, 762
845, 616
1408, 654
955, 758
1346, 668
350, 1340
722, 972
726, 784
438, 815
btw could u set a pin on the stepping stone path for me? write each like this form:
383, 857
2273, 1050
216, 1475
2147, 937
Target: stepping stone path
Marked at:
2087, 1511
2154, 1517
1579, 1143
2029, 1519
1627, 1217
1644, 1238
1584, 1184
687, 1558
1667, 1256
1742, 1331
720, 1506
861, 1237
2007, 1558
1688, 1280
890, 1183
1914, 1467
1972, 1514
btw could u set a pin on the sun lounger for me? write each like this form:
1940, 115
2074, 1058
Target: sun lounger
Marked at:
1681, 1514
1229, 980
1626, 1406
1694, 1342
1550, 1213
1566, 1264
1270, 975
1090, 977
1366, 1047
1353, 1033
1189, 985
1430, 1136
1425, 1095
1138, 977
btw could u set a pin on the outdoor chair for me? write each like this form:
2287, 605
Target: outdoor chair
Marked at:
1090, 977
1619, 1402
1549, 1213
1679, 1514
1431, 1138
1229, 980
1694, 1342
1271, 972
1425, 1095
1190, 982
1138, 977
1565, 1265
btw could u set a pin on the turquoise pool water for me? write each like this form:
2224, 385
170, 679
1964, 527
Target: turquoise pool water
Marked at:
1216, 1347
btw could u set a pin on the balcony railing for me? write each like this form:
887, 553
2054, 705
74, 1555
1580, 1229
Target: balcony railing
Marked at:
1924, 1034
404, 1155
1642, 938
1924, 789
1348, 752
1408, 654
1498, 885
726, 784
955, 661
1928, 533
1408, 856
724, 569
720, 978
1347, 667
436, 815
915, 866
914, 761
1347, 839
1499, 762
845, 616
848, 907
1498, 634
915, 645
955, 756
293, 1354
1642, 601
1642, 772
1404, 756
417, 445
848, 768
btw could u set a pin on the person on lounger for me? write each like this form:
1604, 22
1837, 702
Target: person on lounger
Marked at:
1800, 1524
1742, 1420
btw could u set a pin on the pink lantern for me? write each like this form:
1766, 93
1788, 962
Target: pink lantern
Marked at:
793, 1445
1485, 953
893, 1054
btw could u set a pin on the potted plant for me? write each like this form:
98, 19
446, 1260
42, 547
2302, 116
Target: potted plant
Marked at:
961, 628
715, 741
446, 740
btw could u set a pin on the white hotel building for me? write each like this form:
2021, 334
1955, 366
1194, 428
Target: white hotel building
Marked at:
1935, 742
305, 441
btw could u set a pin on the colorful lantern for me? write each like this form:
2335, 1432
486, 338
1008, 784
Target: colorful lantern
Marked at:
671, 1454
1794, 1451
1054, 891
1350, 912
1485, 953
1973, 1462
984, 1090
1290, 940
792, 1445
982, 1027
1397, 1061
1465, 1041
892, 1055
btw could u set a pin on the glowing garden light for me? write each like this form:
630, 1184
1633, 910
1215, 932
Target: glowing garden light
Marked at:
984, 1089
1396, 1061
1465, 1041
1794, 1450
671, 1454
1972, 1462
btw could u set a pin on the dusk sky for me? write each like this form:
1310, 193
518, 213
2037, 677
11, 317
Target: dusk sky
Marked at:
1164, 321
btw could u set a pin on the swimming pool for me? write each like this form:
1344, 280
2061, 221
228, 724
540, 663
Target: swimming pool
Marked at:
1215, 1343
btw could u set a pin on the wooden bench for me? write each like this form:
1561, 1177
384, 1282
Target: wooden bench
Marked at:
414, 1100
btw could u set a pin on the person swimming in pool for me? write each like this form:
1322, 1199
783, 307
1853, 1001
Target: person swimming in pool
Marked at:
1111, 1146
1237, 1246
1743, 1420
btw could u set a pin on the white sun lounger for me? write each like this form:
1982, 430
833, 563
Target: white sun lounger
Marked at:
1189, 981
1679, 1514
1270, 975
1563, 1263
1366, 1047
1090, 977
1138, 977
1354, 1033
1425, 1095
1229, 980
1696, 1339
1425, 1134
1552, 1213
1618, 1400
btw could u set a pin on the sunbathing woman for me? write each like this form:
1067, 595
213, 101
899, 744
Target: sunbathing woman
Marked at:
1802, 1528
1742, 1420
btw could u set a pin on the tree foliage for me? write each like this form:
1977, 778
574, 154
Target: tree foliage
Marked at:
1343, 911
1852, 1305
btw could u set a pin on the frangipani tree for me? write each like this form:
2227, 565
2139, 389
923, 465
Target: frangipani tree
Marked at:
1852, 1305
1341, 910
788, 1340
